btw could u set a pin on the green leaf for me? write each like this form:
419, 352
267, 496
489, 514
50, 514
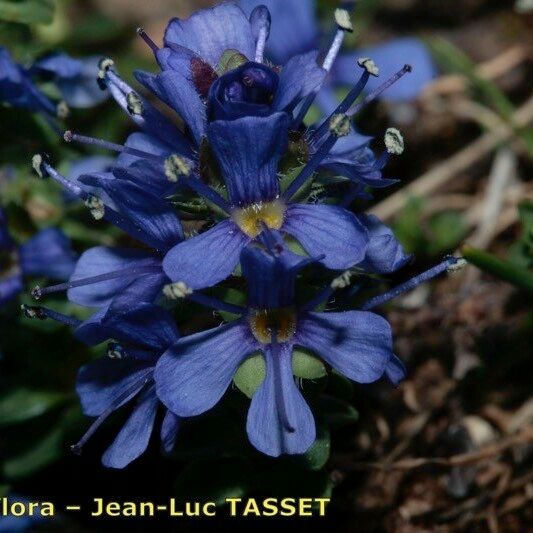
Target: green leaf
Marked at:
447, 230
499, 267
45, 451
250, 374
213, 481
307, 366
317, 456
27, 11
337, 413
23, 404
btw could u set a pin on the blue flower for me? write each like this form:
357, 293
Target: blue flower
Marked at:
75, 78
295, 30
192, 376
105, 385
106, 276
17, 88
47, 254
248, 151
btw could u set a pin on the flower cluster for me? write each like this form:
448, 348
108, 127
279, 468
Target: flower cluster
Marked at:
230, 187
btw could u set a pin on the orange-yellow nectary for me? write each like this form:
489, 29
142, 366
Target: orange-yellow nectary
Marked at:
250, 219
263, 322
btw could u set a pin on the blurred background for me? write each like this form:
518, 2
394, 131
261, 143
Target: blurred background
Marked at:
451, 448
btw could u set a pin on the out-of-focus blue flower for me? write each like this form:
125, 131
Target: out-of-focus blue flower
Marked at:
47, 254
192, 376
75, 78
142, 334
17, 88
295, 30
13, 524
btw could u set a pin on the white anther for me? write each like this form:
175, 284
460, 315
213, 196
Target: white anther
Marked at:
460, 263
369, 65
342, 281
177, 290
62, 110
176, 166
36, 163
96, 207
343, 20
104, 65
134, 103
394, 141
339, 125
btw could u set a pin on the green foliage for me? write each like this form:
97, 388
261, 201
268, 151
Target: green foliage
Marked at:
521, 253
500, 267
20, 405
441, 232
27, 11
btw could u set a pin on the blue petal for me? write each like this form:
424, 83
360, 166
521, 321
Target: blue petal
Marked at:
154, 219
384, 253
294, 28
48, 254
149, 175
208, 258
248, 151
356, 343
279, 420
145, 324
133, 438
210, 32
6, 241
145, 143
17, 88
270, 278
83, 91
178, 91
328, 230
109, 383
299, 77
59, 65
10, 286
391, 57
169, 431
103, 260
193, 375
395, 370
145, 288
86, 165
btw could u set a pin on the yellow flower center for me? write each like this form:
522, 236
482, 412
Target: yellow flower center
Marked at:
264, 321
250, 219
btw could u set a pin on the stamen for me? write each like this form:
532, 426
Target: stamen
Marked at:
115, 351
37, 164
383, 87
96, 206
69, 136
369, 65
176, 166
104, 65
45, 170
338, 127
342, 18
38, 292
42, 313
260, 18
450, 264
134, 103
123, 398
200, 188
146, 38
394, 141
177, 290
62, 110
278, 380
